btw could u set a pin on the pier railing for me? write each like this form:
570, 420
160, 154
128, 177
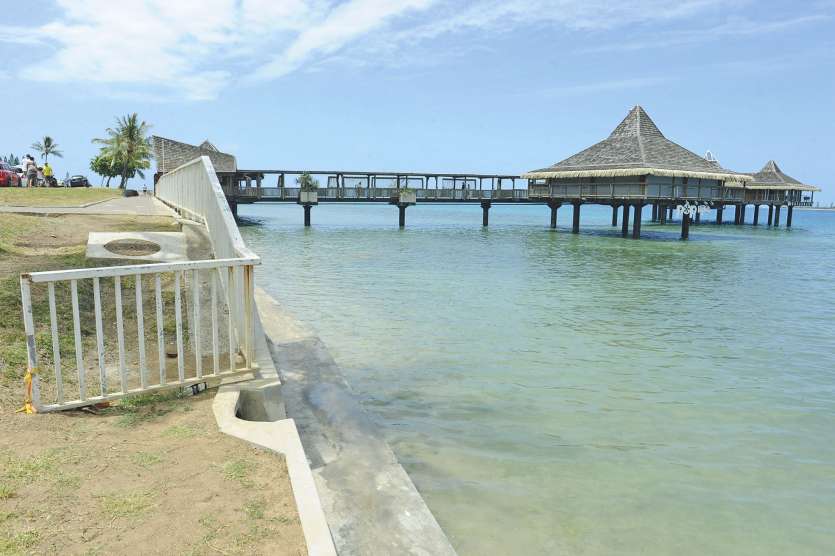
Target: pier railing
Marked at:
201, 313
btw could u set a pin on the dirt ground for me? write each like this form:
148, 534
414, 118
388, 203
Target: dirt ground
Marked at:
147, 476
157, 478
55, 197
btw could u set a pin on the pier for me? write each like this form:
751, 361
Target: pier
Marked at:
635, 167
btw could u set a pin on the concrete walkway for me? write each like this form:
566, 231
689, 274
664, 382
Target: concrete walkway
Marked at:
371, 504
143, 205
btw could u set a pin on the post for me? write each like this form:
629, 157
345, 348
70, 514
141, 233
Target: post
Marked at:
742, 214
777, 215
685, 226
575, 224
307, 207
770, 214
485, 213
32, 381
756, 214
662, 209
789, 211
654, 212
719, 210
614, 215
624, 230
670, 215
402, 208
636, 225
553, 205
233, 206
249, 315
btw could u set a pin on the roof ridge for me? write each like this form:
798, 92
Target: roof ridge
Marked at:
640, 141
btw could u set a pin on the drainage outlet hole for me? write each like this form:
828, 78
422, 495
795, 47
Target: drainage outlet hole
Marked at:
132, 247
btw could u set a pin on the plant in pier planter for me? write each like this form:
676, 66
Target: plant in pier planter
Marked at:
308, 189
405, 195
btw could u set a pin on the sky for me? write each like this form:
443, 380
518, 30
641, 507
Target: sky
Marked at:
486, 86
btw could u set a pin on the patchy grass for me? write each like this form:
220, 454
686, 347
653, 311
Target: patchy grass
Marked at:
55, 197
126, 505
180, 431
6, 492
18, 543
239, 470
146, 459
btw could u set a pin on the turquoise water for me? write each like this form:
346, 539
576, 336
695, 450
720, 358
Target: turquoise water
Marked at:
551, 393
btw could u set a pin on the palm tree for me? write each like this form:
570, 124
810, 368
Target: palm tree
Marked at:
47, 147
127, 147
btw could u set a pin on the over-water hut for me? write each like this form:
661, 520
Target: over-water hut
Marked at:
636, 165
774, 188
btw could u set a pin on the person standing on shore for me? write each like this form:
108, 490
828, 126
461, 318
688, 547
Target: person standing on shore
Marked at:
48, 175
31, 171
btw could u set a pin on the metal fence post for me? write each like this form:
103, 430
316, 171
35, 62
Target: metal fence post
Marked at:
32, 403
249, 316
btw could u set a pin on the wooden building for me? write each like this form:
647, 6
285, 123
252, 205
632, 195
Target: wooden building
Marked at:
774, 188
635, 166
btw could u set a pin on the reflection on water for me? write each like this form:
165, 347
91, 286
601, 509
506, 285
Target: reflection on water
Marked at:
582, 394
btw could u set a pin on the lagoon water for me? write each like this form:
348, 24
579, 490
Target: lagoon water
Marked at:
559, 394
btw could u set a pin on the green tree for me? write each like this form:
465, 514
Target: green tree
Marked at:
101, 165
47, 146
307, 183
127, 147
11, 160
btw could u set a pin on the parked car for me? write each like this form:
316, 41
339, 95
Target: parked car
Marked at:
76, 181
8, 177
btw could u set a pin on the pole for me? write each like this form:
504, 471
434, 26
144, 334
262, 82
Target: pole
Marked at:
307, 208
402, 219
685, 226
756, 214
655, 212
614, 215
777, 215
636, 225
553, 206
575, 225
719, 210
770, 214
790, 210
485, 213
624, 229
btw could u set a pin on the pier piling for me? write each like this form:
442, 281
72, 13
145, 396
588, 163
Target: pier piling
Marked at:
770, 215
636, 225
485, 213
756, 214
624, 231
307, 207
719, 210
654, 212
777, 215
789, 211
662, 209
575, 224
553, 206
614, 215
402, 216
685, 226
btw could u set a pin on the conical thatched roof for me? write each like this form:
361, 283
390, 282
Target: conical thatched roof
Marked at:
772, 177
636, 147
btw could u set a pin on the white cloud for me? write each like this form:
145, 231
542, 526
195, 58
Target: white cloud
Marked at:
193, 49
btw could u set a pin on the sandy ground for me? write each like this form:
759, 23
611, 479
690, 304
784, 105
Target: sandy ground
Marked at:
152, 476
155, 479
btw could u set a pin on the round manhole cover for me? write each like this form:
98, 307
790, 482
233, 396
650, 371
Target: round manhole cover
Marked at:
132, 247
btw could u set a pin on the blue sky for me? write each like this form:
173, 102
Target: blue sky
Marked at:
414, 85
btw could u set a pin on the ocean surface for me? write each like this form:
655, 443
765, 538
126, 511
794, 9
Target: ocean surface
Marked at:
552, 393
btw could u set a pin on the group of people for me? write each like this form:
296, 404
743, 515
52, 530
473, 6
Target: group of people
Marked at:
31, 171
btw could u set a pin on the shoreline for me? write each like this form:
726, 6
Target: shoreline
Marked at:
371, 504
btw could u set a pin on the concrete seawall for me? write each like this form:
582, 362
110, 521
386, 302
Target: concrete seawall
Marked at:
371, 504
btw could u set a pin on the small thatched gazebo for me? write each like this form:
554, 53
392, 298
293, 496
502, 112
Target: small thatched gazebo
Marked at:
634, 166
773, 187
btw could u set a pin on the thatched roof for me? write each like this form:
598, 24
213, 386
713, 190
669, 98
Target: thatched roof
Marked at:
772, 177
635, 148
171, 154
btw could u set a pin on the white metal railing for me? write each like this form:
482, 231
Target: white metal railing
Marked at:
224, 285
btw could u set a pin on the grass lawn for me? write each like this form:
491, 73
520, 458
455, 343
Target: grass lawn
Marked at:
147, 475
55, 197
